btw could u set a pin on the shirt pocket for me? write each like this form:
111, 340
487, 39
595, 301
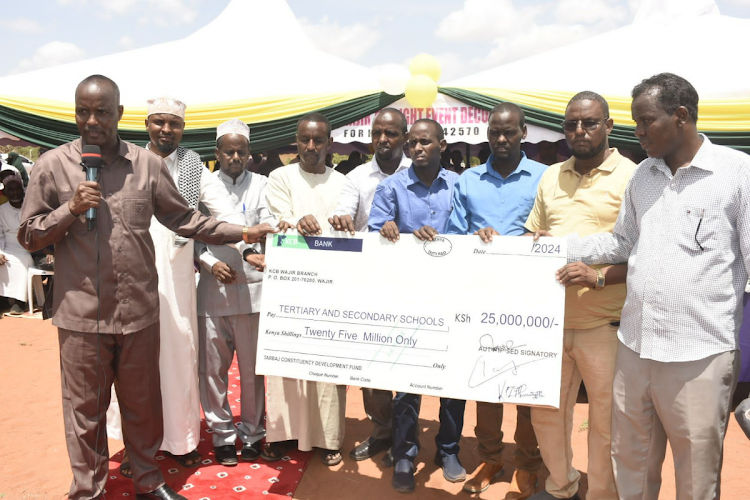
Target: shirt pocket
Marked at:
698, 229
137, 208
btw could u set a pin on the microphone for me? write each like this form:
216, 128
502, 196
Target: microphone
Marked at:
91, 159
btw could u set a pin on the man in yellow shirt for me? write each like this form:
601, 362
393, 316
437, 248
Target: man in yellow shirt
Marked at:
583, 195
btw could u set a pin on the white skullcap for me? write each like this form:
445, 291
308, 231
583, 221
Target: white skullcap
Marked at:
166, 105
233, 126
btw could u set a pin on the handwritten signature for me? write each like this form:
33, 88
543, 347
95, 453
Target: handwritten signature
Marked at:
518, 392
487, 368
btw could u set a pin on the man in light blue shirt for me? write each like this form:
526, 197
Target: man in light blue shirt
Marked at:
418, 200
405, 202
496, 198
500, 193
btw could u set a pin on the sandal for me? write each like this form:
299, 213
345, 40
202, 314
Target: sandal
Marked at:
190, 460
331, 457
273, 452
125, 470
226, 455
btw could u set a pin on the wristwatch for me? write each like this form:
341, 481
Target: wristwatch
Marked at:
599, 280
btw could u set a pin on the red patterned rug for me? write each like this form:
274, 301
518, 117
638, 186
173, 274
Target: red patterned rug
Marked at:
212, 481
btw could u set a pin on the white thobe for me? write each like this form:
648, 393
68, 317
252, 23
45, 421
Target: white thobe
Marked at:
178, 316
311, 412
359, 191
14, 273
228, 316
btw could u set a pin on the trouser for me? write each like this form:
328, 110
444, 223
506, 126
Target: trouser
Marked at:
406, 419
220, 337
89, 363
379, 409
588, 354
687, 403
489, 435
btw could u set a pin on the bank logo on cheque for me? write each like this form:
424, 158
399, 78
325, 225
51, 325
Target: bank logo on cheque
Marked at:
317, 243
439, 247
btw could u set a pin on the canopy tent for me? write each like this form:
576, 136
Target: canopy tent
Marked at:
686, 37
33, 109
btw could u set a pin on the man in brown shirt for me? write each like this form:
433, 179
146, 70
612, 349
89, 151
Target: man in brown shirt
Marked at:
105, 294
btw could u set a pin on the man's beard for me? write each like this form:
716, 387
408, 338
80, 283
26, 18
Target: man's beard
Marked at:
386, 156
587, 155
166, 148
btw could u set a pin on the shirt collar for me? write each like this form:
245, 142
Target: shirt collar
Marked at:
413, 179
405, 163
123, 149
701, 160
172, 157
609, 165
225, 178
522, 167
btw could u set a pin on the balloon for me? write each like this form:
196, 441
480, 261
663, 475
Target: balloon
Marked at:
393, 78
425, 64
421, 91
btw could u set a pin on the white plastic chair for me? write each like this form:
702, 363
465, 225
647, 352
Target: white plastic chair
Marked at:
33, 272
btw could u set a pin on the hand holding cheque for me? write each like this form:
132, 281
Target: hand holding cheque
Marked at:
453, 317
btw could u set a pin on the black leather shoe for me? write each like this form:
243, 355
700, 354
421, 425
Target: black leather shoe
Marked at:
250, 452
403, 476
226, 455
163, 492
369, 448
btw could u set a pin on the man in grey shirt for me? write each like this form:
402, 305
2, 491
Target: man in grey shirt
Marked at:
229, 307
684, 230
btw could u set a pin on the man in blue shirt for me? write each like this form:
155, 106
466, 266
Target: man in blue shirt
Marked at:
496, 198
418, 201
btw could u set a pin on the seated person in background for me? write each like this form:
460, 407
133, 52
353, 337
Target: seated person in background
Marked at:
457, 162
17, 161
14, 259
346, 166
272, 163
6, 170
257, 160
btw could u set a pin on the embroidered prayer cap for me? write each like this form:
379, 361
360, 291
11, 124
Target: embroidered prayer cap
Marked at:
166, 105
233, 126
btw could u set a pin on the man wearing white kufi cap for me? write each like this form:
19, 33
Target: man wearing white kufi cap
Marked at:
229, 293
178, 358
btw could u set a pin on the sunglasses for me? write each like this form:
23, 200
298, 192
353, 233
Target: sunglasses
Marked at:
587, 125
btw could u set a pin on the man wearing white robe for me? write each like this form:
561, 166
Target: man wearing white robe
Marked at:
229, 294
14, 259
303, 196
178, 316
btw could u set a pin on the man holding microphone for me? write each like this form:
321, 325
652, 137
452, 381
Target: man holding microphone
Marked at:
105, 303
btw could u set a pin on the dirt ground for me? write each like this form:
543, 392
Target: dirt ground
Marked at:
34, 462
